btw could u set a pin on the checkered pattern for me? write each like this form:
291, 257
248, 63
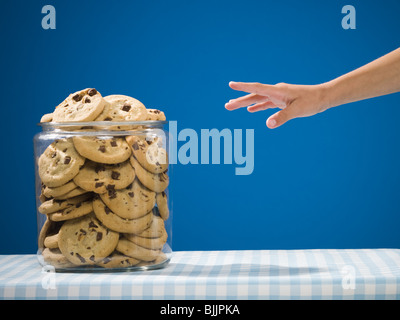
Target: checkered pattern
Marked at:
249, 274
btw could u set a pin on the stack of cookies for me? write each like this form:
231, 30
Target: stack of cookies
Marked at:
103, 197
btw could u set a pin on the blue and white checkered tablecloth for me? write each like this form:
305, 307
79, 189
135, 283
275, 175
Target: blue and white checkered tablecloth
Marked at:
248, 274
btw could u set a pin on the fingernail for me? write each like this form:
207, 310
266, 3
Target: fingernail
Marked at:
271, 123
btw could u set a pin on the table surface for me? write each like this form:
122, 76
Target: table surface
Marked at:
242, 274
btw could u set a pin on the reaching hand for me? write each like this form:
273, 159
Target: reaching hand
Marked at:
294, 100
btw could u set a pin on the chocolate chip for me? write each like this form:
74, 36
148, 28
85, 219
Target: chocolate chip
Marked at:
112, 195
135, 146
67, 210
131, 194
93, 225
111, 191
107, 210
102, 149
99, 167
92, 258
87, 100
99, 236
106, 260
108, 119
82, 259
115, 175
53, 154
83, 231
92, 92
67, 160
77, 97
78, 204
99, 184
126, 107
110, 187
113, 143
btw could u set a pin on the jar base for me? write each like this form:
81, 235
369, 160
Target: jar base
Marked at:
98, 269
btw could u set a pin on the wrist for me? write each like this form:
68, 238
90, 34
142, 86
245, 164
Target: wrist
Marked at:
325, 95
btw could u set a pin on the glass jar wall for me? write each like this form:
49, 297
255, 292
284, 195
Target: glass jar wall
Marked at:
102, 196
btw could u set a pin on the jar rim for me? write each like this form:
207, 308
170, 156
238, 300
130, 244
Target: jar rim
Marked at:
102, 123
102, 127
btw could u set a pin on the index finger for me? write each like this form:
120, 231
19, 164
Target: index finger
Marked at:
253, 87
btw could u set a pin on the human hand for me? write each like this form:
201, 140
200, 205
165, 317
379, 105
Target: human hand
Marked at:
295, 100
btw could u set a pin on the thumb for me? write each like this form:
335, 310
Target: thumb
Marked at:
281, 117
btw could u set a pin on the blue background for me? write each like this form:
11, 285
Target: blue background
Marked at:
328, 181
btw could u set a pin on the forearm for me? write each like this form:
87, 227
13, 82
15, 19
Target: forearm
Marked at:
377, 78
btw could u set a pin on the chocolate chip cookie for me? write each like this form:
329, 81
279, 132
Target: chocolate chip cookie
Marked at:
54, 205
118, 260
48, 117
55, 258
149, 154
48, 229
155, 182
59, 163
51, 242
116, 223
71, 212
100, 178
73, 193
148, 243
55, 192
85, 105
155, 230
109, 151
133, 250
162, 204
86, 240
125, 108
155, 115
130, 203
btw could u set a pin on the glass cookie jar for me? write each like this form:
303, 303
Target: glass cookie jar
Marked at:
102, 196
